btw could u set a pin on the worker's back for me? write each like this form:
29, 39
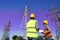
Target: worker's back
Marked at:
31, 23
47, 34
31, 29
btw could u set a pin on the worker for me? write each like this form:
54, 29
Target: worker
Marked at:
31, 28
47, 31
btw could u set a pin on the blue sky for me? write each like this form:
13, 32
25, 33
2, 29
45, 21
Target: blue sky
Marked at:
13, 9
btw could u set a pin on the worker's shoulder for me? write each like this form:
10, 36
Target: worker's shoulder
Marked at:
30, 21
35, 20
48, 27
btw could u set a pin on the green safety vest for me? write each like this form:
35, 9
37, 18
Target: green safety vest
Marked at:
31, 29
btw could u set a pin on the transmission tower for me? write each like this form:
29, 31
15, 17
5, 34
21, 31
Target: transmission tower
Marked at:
6, 32
24, 21
56, 20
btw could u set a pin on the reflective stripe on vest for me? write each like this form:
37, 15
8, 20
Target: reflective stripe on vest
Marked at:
32, 35
31, 29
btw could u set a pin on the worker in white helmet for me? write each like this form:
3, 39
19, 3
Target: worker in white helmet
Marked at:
47, 31
31, 28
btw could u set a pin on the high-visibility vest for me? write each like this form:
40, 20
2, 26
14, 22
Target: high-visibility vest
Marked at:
31, 29
48, 34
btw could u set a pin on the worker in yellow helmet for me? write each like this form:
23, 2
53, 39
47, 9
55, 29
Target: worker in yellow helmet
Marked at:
47, 31
31, 28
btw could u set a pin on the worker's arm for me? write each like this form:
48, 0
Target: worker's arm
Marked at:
37, 27
43, 32
48, 30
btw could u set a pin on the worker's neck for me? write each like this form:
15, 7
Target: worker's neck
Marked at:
31, 19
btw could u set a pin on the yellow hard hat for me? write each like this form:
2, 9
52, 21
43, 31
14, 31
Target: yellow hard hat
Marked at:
45, 22
32, 15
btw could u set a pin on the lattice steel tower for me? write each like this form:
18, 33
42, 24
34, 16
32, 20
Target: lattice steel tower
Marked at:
24, 21
6, 32
56, 19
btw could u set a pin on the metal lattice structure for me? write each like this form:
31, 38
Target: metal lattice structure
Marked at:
6, 32
56, 20
23, 22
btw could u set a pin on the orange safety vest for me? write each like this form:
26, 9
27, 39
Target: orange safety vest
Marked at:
48, 34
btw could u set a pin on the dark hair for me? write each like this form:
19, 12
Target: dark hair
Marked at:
44, 23
32, 18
